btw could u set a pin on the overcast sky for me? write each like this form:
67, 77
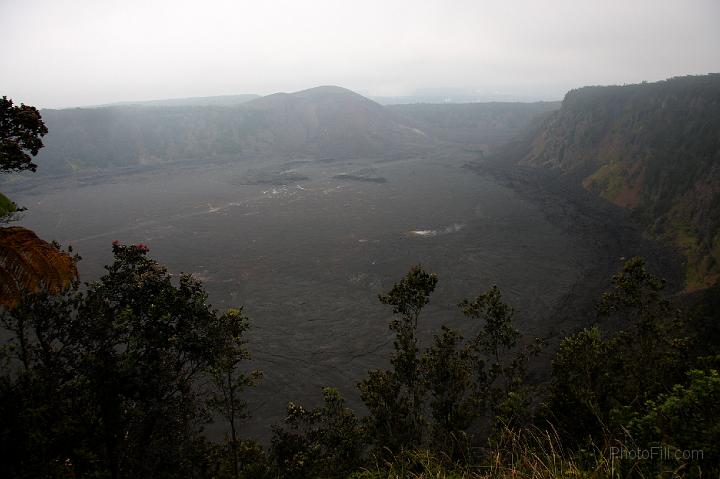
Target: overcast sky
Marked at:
58, 53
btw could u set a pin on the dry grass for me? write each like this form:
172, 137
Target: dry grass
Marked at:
526, 454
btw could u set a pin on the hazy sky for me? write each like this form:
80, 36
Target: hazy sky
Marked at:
57, 53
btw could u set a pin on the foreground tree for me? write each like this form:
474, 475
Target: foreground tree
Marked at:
21, 132
114, 380
434, 396
230, 382
453, 376
502, 389
27, 263
324, 442
687, 418
600, 382
395, 398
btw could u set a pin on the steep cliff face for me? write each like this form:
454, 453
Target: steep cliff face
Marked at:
653, 148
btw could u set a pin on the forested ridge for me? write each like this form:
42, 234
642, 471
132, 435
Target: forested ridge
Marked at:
653, 148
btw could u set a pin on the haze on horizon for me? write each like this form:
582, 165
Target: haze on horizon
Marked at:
70, 53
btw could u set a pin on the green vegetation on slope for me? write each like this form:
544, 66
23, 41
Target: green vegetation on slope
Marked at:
653, 148
6, 206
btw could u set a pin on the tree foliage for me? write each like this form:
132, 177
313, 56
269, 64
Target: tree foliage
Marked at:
687, 418
395, 397
647, 384
29, 265
230, 382
596, 378
325, 442
21, 132
505, 391
435, 396
113, 380
118, 379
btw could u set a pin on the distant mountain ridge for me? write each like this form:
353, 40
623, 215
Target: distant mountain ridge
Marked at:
217, 100
318, 123
653, 148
